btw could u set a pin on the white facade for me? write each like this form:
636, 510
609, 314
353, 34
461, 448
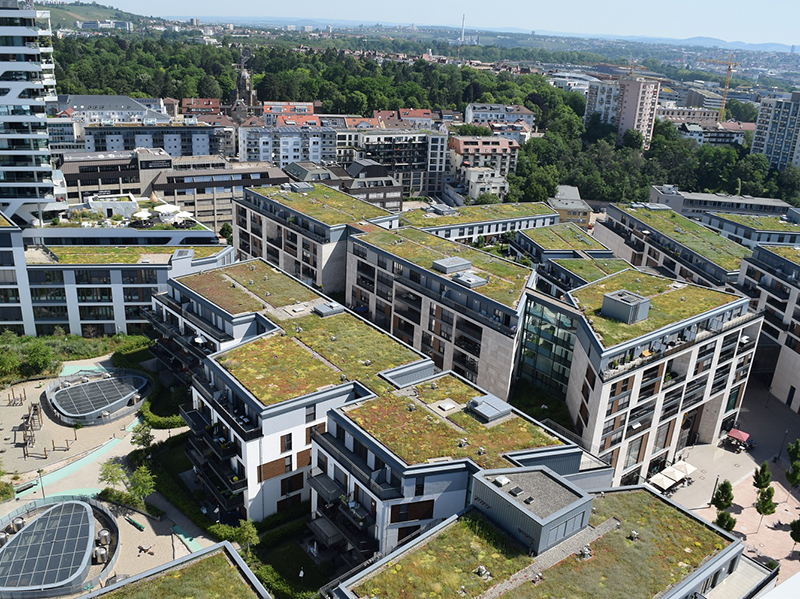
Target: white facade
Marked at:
777, 133
285, 145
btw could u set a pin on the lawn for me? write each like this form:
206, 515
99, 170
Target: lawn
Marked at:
506, 279
671, 546
592, 270
277, 289
418, 435
324, 204
289, 558
668, 305
445, 564
566, 236
208, 577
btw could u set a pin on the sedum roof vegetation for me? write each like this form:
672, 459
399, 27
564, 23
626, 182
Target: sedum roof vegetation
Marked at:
97, 254
671, 546
670, 302
314, 354
703, 241
592, 270
325, 204
787, 252
565, 236
760, 223
476, 214
269, 286
507, 280
416, 436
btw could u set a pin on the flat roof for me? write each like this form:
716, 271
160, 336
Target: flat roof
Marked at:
323, 203
430, 432
592, 270
704, 242
564, 236
670, 302
314, 354
673, 544
788, 252
760, 223
507, 280
535, 491
269, 287
475, 214
716, 197
110, 254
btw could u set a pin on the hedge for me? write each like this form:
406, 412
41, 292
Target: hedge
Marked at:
126, 499
295, 512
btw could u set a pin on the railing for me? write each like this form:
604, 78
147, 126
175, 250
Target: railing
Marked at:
248, 432
220, 467
227, 501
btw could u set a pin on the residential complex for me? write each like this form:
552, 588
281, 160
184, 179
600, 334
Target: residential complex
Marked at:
777, 133
752, 230
629, 103
200, 106
189, 138
696, 204
565, 240
483, 114
688, 114
570, 207
283, 145
88, 109
602, 98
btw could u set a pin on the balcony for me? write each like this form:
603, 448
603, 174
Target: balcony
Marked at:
328, 489
212, 436
364, 544
205, 325
226, 481
248, 431
371, 479
357, 514
784, 295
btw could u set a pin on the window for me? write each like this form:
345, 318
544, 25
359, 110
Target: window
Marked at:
286, 443
311, 413
92, 277
419, 510
419, 487
287, 464
632, 457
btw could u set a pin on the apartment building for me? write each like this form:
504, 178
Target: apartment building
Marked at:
704, 98
519, 131
638, 100
275, 358
603, 99
752, 230
200, 106
456, 304
718, 134
492, 222
648, 365
302, 228
571, 209
770, 277
777, 133
557, 276
284, 145
482, 114
272, 110
687, 114
496, 153
564, 240
695, 204
88, 109
187, 138
655, 236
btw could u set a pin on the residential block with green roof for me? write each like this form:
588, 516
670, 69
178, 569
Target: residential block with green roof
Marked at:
751, 230
565, 240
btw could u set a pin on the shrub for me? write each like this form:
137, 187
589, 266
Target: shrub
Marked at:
129, 500
6, 491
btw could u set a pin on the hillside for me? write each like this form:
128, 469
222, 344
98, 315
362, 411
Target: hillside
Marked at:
64, 16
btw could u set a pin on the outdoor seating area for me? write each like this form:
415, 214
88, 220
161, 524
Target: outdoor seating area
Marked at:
673, 477
738, 441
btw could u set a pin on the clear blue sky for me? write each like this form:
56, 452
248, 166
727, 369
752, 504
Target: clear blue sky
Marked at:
730, 20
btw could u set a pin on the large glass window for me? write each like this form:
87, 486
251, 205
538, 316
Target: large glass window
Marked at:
547, 344
632, 455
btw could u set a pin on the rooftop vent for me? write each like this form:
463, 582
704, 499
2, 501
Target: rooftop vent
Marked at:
625, 306
329, 309
515, 492
446, 406
489, 407
502, 481
443, 209
297, 187
469, 280
450, 265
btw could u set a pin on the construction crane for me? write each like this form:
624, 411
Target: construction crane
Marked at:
634, 66
730, 64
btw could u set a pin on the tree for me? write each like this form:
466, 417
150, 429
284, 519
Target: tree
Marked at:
226, 230
723, 497
469, 129
488, 198
741, 111
793, 477
246, 534
794, 531
37, 358
725, 521
9, 362
762, 477
209, 88
142, 435
765, 504
142, 482
793, 449
632, 139
111, 473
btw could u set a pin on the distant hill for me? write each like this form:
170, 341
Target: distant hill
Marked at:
63, 16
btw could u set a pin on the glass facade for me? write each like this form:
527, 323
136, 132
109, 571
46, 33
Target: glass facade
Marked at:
548, 339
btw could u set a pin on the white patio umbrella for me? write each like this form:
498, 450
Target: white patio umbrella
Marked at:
684, 467
183, 214
661, 482
167, 208
142, 214
674, 474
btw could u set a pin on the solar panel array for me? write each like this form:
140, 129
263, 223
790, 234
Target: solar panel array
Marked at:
50, 550
89, 397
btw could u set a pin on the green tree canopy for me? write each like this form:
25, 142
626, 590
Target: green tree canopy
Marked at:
762, 477
725, 521
723, 497
142, 482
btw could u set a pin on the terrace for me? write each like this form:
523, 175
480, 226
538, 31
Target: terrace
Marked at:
476, 214
315, 353
786, 252
260, 284
592, 270
670, 303
96, 254
566, 236
506, 280
683, 231
672, 543
760, 223
324, 204
426, 433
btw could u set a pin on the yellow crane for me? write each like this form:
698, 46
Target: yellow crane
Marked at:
730, 64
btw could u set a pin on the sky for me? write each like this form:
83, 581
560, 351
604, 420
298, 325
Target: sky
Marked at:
730, 20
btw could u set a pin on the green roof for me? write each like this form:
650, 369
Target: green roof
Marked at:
423, 434
760, 223
506, 279
787, 252
269, 286
703, 241
475, 214
672, 545
670, 303
315, 353
592, 270
213, 576
4, 222
132, 254
565, 236
324, 204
